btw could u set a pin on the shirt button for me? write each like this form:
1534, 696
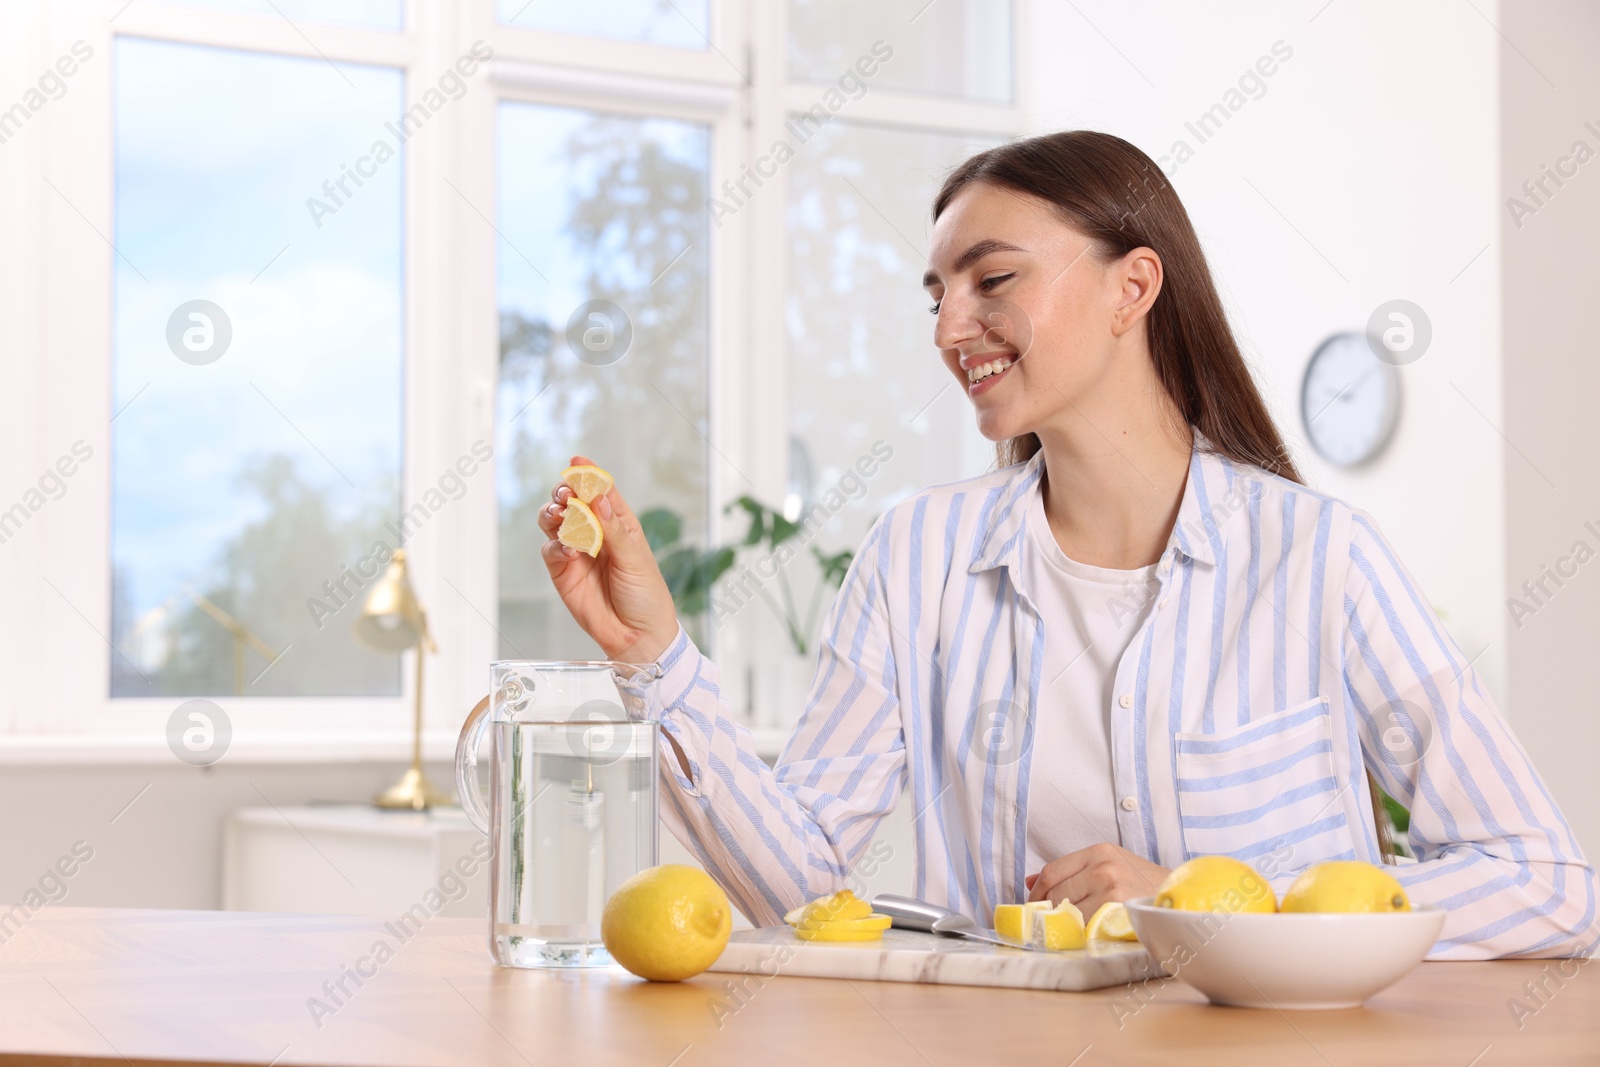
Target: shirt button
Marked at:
1130, 803
1127, 700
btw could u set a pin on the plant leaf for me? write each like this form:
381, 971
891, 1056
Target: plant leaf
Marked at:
678, 568
835, 566
782, 530
662, 527
716, 563
758, 518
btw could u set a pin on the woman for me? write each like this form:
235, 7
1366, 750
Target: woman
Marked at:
1140, 640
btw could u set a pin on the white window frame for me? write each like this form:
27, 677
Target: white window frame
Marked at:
55, 586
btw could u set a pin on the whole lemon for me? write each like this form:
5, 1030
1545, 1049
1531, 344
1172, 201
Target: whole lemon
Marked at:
1216, 883
667, 923
1344, 886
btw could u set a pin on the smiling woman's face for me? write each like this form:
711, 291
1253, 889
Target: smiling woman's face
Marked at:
1017, 289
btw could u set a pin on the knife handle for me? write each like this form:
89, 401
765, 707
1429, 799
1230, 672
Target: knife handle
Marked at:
908, 913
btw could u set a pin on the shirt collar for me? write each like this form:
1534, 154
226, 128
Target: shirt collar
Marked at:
1213, 495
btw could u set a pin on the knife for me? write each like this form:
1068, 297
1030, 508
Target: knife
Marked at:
908, 913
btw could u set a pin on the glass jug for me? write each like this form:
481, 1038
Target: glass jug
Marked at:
571, 812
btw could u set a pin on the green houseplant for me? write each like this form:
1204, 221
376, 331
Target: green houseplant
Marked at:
690, 572
768, 526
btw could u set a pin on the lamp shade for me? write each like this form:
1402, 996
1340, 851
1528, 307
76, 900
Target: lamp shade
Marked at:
392, 620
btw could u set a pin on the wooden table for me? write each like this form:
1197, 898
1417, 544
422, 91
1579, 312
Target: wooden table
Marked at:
97, 986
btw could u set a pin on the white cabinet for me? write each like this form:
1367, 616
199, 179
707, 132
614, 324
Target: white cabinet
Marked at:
352, 859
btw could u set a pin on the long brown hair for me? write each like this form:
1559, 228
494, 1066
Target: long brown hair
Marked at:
1111, 192
1115, 195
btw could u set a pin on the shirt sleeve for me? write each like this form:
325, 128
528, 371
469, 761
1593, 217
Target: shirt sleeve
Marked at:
1492, 846
775, 838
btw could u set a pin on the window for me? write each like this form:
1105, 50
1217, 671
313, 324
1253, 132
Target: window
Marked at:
603, 335
581, 238
949, 47
679, 24
862, 369
372, 14
256, 372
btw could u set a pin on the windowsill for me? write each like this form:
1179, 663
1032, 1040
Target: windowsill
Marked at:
367, 746
376, 746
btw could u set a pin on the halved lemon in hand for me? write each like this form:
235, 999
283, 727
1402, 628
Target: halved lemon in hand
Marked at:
580, 528
588, 483
1110, 923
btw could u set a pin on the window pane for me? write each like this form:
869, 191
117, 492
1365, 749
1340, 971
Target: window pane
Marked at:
596, 208
372, 14
675, 23
950, 47
256, 449
862, 365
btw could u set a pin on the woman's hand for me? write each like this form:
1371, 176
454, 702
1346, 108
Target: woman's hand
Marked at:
618, 597
1092, 876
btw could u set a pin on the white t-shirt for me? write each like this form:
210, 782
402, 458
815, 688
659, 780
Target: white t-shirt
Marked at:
1090, 615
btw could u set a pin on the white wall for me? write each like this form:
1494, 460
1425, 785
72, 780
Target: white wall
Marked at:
1552, 386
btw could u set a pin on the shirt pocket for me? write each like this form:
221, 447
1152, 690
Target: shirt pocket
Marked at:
1259, 787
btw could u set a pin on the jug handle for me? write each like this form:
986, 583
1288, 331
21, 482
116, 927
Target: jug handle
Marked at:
467, 766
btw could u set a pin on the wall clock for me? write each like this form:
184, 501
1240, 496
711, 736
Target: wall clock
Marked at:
1349, 401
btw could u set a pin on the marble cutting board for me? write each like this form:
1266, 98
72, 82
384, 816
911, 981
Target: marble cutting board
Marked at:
912, 956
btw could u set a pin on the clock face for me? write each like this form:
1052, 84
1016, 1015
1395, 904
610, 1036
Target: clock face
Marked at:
1350, 400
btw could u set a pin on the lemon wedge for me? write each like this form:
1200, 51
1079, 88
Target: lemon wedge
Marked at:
1059, 928
1015, 921
588, 483
1110, 923
580, 528
1037, 923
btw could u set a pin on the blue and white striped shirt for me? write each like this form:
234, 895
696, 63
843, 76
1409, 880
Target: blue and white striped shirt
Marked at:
1287, 651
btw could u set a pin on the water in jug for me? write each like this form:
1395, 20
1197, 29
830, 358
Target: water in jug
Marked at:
571, 807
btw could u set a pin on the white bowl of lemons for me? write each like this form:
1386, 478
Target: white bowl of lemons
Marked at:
1343, 931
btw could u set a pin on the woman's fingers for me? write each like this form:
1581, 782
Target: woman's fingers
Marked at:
624, 536
1054, 873
620, 598
1091, 876
550, 519
557, 556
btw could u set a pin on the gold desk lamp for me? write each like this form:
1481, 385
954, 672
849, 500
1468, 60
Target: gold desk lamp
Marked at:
393, 620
